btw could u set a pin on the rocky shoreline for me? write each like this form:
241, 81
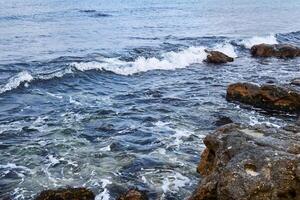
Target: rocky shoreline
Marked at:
241, 162
258, 162
250, 163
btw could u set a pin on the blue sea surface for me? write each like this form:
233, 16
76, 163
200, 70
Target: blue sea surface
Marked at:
111, 95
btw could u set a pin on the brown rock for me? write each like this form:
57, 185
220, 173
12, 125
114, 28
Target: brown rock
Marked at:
268, 97
275, 50
246, 163
66, 194
217, 57
133, 194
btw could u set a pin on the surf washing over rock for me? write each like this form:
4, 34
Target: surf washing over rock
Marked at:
248, 43
169, 61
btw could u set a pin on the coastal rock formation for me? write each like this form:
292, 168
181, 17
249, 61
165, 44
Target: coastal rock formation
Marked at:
217, 57
242, 163
66, 194
133, 194
268, 97
275, 50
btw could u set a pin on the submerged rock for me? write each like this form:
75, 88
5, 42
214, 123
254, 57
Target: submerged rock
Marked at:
66, 194
275, 50
223, 120
133, 194
296, 81
268, 97
241, 163
217, 57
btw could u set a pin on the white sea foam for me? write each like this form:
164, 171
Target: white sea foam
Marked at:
180, 181
14, 166
165, 185
227, 49
256, 121
73, 101
13, 126
16, 80
25, 77
178, 136
169, 61
162, 151
174, 182
270, 39
53, 160
106, 148
105, 194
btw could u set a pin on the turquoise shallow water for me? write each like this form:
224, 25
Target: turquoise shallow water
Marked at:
111, 95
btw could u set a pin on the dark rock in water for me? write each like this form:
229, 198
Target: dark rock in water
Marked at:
223, 120
95, 13
296, 82
275, 50
66, 194
217, 57
88, 11
133, 194
99, 14
249, 164
268, 97
298, 122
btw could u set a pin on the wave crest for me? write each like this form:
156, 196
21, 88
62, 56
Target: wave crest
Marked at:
169, 61
26, 77
16, 80
248, 43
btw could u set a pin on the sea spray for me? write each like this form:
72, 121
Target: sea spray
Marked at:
248, 43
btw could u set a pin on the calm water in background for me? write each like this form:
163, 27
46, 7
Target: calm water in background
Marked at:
114, 94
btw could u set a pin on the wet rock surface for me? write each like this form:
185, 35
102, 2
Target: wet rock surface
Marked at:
275, 50
66, 194
268, 97
217, 57
250, 163
133, 194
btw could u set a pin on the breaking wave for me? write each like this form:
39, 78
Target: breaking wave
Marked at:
248, 43
15, 81
168, 61
26, 77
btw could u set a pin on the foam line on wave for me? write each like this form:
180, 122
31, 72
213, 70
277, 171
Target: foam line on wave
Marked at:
249, 42
168, 61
